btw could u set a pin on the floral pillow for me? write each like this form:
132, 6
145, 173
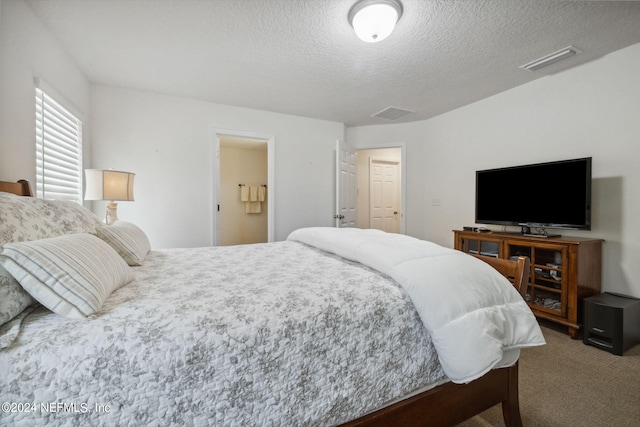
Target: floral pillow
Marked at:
20, 220
13, 298
71, 217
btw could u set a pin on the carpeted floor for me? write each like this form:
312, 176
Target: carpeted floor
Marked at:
566, 383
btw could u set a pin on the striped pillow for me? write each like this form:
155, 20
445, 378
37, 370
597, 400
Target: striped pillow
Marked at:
127, 239
72, 275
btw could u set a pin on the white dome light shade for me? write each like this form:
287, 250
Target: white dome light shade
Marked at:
374, 20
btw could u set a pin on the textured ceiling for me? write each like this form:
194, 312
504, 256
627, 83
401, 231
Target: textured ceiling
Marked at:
301, 56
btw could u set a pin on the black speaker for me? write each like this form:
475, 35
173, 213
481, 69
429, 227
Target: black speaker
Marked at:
611, 322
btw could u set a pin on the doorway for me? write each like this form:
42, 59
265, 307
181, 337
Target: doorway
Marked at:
380, 189
384, 195
242, 189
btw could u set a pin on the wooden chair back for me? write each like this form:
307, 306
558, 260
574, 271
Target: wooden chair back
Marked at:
21, 188
517, 271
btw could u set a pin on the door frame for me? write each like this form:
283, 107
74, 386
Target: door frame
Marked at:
270, 140
403, 175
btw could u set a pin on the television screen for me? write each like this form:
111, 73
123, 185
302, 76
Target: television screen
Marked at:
552, 195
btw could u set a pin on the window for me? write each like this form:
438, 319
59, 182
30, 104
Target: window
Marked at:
58, 151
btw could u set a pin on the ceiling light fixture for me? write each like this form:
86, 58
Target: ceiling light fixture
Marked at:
374, 20
550, 59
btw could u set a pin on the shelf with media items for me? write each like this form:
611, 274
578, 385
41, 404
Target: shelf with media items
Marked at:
564, 270
486, 247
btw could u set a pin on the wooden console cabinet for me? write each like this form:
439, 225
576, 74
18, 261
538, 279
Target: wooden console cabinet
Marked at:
564, 270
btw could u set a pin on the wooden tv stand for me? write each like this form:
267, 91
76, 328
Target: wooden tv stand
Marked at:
564, 270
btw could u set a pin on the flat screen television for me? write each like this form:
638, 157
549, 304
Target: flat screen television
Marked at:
544, 195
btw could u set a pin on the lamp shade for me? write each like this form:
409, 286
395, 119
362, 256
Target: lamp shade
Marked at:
374, 20
108, 185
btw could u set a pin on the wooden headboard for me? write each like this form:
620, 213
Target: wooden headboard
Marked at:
21, 188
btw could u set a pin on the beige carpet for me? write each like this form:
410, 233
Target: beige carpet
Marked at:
566, 383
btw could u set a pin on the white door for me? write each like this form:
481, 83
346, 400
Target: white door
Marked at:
346, 185
384, 196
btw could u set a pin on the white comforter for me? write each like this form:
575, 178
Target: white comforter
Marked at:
476, 318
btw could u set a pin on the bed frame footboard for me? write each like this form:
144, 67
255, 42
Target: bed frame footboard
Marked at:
450, 404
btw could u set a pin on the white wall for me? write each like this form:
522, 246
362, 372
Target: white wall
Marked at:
168, 142
591, 110
27, 50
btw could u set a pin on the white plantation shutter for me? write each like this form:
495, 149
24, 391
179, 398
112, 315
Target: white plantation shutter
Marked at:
58, 151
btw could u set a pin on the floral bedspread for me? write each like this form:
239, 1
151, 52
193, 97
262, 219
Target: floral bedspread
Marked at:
269, 334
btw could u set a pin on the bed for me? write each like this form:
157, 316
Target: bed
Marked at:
321, 329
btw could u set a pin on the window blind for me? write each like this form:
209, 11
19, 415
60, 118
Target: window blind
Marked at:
58, 151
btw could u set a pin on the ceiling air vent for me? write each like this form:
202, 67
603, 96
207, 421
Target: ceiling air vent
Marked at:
392, 113
551, 58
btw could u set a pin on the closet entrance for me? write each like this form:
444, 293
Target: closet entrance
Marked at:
243, 208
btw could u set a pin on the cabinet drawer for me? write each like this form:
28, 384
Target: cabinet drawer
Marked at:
600, 320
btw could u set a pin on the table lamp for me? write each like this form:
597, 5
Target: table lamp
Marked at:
109, 185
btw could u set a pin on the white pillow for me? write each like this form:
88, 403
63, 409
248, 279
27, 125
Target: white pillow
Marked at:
127, 239
72, 275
